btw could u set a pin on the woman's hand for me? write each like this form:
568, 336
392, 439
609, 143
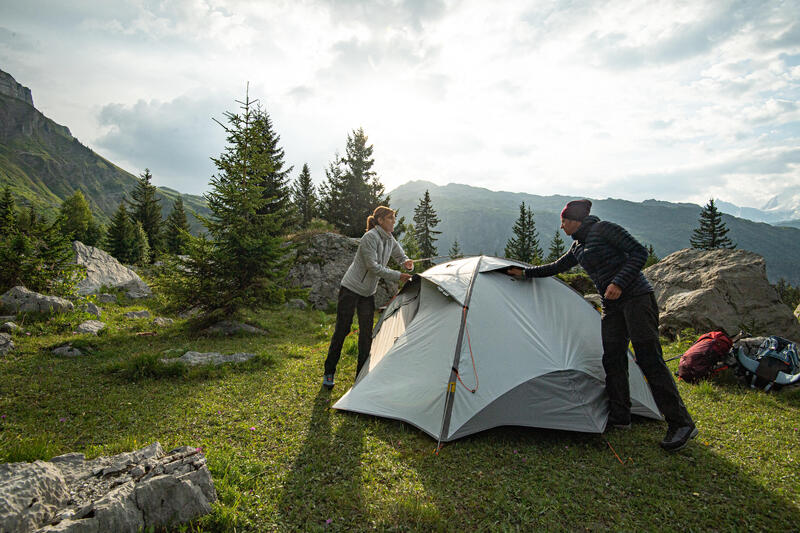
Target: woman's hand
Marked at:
516, 272
613, 292
409, 265
404, 277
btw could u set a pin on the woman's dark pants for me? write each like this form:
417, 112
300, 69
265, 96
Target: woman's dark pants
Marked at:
636, 320
348, 303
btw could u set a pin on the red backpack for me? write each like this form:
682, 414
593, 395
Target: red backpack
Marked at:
699, 360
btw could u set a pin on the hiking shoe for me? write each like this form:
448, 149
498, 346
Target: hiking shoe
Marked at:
678, 437
618, 423
327, 381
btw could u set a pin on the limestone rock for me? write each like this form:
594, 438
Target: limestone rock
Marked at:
231, 327
594, 299
67, 350
719, 289
209, 358
106, 298
91, 326
137, 314
161, 321
319, 265
20, 300
103, 270
92, 309
30, 495
297, 303
10, 327
189, 313
6, 344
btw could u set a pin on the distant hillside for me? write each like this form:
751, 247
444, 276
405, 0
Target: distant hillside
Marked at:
44, 164
481, 220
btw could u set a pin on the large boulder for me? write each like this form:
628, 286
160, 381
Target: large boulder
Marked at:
319, 266
30, 495
103, 270
21, 300
719, 289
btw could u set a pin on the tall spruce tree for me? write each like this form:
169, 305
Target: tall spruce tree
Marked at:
304, 197
557, 248
140, 252
8, 212
425, 220
652, 258
121, 236
455, 250
524, 245
77, 222
352, 190
711, 233
146, 208
176, 229
273, 176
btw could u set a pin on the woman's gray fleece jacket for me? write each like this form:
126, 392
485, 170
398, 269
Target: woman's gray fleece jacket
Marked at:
374, 251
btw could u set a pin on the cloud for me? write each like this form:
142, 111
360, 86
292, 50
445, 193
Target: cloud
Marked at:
16, 41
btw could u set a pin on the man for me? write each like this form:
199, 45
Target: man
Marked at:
614, 260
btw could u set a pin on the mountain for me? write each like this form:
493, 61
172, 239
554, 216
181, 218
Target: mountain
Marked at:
780, 210
482, 219
44, 164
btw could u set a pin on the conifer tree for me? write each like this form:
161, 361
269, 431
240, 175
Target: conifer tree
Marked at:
652, 258
140, 252
455, 250
410, 246
121, 235
176, 229
8, 212
304, 197
77, 222
557, 248
146, 208
524, 245
271, 176
711, 233
425, 220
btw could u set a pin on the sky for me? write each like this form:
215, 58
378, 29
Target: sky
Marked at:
678, 101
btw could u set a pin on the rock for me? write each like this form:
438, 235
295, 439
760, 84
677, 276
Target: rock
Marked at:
92, 309
6, 344
231, 327
30, 495
21, 300
67, 350
320, 263
137, 314
162, 321
103, 270
10, 327
91, 326
297, 303
142, 490
106, 298
209, 358
594, 299
718, 289
189, 313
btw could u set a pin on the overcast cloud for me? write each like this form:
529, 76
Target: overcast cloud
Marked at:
677, 101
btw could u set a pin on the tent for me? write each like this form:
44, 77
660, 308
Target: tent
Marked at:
464, 347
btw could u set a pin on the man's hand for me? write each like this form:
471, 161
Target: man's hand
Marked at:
613, 292
404, 277
516, 272
408, 265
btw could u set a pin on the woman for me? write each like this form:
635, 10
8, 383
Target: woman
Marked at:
359, 284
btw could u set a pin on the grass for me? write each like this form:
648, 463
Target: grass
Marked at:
282, 460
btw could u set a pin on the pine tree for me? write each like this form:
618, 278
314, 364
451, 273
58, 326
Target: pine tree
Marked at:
455, 251
8, 212
712, 231
524, 245
410, 246
146, 208
352, 190
652, 258
304, 197
140, 252
176, 229
121, 235
425, 220
271, 176
75, 217
557, 248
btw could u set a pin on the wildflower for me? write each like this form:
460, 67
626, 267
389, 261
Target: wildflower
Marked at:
62, 419
252, 429
329, 520
3, 417
515, 451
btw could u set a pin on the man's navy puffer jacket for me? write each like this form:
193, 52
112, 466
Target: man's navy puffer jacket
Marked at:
608, 253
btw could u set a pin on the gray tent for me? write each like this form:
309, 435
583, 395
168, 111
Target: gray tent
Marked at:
531, 351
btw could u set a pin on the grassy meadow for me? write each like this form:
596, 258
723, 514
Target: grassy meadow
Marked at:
282, 460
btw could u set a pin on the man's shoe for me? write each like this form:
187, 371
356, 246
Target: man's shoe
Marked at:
678, 437
327, 381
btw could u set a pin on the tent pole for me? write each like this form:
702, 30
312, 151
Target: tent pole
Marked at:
451, 383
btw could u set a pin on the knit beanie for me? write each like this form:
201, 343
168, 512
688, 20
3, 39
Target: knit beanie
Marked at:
576, 210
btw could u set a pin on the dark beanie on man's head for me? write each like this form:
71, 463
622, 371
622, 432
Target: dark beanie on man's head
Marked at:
576, 210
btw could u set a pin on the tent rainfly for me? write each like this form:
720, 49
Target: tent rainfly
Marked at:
464, 347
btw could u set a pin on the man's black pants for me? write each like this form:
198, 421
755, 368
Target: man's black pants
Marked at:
348, 303
636, 320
